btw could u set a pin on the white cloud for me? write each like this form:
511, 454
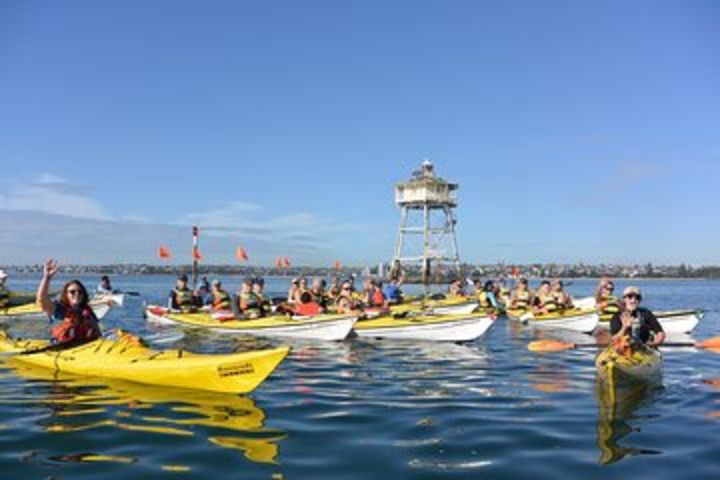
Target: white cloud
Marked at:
52, 194
248, 220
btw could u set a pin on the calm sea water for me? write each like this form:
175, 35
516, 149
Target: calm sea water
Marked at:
374, 409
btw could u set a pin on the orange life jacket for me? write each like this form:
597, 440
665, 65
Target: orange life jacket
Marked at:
310, 308
76, 328
377, 298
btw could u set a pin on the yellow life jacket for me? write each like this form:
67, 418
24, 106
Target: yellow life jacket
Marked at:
484, 300
549, 302
183, 298
522, 300
221, 300
504, 293
612, 307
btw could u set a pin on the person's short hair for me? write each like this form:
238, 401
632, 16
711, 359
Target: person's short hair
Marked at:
306, 297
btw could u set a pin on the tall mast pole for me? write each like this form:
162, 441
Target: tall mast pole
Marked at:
196, 234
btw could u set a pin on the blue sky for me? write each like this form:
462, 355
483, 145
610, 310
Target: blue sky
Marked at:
578, 131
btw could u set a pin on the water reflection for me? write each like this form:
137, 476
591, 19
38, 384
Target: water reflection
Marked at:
618, 403
80, 404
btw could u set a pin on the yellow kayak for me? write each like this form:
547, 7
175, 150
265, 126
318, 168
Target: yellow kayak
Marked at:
126, 358
641, 362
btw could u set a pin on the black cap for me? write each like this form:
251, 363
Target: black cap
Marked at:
183, 277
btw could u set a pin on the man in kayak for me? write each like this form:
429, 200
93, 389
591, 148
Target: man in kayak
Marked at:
262, 300
4, 292
78, 323
181, 297
104, 287
635, 322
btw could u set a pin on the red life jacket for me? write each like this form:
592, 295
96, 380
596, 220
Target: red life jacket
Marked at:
377, 298
76, 328
308, 309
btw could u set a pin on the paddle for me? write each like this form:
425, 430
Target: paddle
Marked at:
550, 345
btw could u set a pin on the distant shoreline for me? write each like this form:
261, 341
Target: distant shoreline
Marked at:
536, 271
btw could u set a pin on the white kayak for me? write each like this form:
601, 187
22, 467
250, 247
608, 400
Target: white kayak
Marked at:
320, 327
673, 321
116, 298
439, 328
577, 320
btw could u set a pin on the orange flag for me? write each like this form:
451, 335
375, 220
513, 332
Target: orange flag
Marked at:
164, 252
338, 265
241, 254
196, 254
286, 262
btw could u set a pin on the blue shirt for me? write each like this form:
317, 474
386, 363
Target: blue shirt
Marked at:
392, 292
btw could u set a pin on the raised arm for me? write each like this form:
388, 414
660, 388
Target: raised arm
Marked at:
42, 297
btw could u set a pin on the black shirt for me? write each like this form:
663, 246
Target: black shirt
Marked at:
646, 323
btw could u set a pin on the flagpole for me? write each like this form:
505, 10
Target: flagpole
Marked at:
195, 234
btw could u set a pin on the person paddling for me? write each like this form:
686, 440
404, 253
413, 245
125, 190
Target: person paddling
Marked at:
104, 287
78, 323
181, 297
635, 323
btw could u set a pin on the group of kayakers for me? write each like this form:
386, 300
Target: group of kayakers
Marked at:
78, 324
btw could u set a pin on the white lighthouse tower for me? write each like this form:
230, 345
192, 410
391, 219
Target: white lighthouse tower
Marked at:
426, 234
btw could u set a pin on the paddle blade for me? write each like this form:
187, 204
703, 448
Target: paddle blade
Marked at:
711, 343
241, 254
164, 252
549, 345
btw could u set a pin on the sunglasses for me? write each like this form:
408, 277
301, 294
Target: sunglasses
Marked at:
610, 288
74, 292
631, 296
